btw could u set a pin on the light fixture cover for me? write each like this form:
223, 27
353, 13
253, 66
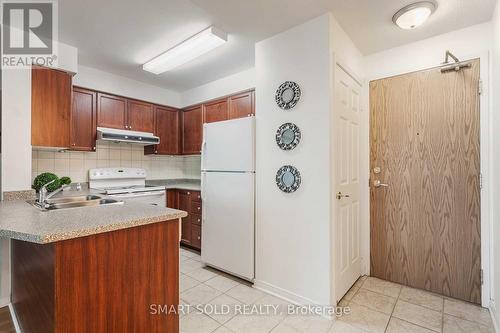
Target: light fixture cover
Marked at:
186, 51
413, 15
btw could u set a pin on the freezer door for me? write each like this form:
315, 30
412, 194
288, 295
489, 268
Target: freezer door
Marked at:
229, 145
228, 227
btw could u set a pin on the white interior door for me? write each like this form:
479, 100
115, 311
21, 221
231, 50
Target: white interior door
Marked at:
347, 189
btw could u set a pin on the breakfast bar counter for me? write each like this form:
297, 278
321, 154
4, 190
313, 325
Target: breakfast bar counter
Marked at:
93, 269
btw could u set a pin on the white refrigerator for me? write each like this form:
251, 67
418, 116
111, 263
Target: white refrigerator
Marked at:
228, 195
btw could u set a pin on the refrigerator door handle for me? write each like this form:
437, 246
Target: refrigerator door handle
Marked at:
203, 174
203, 144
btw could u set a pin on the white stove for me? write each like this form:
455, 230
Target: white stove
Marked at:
126, 184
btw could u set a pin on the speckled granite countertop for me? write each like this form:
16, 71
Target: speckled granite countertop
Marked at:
20, 220
181, 184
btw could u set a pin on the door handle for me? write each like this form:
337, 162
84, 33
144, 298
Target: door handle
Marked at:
378, 183
340, 196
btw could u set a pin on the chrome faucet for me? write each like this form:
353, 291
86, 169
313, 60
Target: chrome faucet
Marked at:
43, 196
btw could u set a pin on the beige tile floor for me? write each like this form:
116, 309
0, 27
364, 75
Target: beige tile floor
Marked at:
375, 305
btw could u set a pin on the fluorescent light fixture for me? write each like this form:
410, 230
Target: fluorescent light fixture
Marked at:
186, 51
414, 15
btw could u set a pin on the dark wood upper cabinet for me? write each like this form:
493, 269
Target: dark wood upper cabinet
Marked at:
83, 120
192, 130
140, 116
241, 105
168, 129
111, 111
50, 107
216, 111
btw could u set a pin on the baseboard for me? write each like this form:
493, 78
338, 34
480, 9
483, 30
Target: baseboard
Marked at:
14, 318
494, 317
5, 301
283, 294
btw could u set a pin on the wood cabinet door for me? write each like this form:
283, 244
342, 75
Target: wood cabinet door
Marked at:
192, 130
50, 107
111, 111
140, 116
168, 129
241, 105
196, 236
83, 120
216, 111
172, 199
184, 204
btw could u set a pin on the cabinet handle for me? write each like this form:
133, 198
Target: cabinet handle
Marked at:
189, 193
199, 220
93, 148
156, 151
199, 208
199, 196
130, 127
199, 237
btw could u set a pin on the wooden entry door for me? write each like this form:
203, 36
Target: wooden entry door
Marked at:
424, 144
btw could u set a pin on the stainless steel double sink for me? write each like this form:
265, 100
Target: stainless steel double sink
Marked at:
74, 202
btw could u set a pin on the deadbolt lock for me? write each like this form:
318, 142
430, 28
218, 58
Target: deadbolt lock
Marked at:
376, 170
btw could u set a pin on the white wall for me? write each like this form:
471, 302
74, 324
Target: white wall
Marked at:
92, 78
16, 129
226, 86
495, 195
471, 42
464, 43
345, 51
292, 230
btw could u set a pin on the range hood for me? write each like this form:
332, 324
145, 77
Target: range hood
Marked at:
134, 137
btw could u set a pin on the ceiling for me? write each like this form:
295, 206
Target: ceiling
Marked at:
369, 22
118, 36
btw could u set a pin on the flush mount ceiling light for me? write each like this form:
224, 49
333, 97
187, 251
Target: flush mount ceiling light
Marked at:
414, 15
186, 51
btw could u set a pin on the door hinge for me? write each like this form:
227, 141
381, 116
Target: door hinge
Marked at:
482, 280
480, 87
480, 180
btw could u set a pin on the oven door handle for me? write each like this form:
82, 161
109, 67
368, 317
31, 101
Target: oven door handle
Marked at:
146, 194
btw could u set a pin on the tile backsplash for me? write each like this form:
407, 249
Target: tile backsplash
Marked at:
109, 154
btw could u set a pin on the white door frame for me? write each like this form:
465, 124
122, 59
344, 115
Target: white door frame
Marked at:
485, 160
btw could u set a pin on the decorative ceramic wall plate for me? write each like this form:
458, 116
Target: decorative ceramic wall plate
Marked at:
288, 136
288, 179
287, 95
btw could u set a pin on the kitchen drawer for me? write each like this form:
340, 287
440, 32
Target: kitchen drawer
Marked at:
196, 196
196, 236
196, 219
195, 207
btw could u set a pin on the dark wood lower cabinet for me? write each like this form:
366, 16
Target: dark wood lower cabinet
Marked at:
189, 201
110, 282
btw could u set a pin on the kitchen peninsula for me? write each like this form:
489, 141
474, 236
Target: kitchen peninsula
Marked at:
93, 269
